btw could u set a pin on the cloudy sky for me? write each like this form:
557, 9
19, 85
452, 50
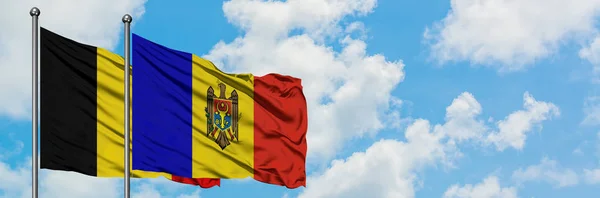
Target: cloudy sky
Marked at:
429, 98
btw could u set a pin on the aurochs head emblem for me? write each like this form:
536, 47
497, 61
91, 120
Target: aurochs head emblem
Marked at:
222, 116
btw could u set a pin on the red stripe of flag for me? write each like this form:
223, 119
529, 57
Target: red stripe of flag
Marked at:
202, 182
280, 126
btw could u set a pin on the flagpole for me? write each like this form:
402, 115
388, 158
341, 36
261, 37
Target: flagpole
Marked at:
35, 13
127, 23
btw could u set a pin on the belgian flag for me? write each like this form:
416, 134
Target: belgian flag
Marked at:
81, 111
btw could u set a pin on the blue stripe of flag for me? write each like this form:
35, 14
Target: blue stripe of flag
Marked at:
162, 109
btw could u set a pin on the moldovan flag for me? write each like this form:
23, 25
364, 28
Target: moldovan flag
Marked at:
81, 112
193, 120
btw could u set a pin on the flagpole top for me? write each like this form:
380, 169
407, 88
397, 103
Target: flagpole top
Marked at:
34, 11
127, 18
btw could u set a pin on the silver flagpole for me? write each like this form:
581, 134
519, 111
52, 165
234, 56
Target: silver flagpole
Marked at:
127, 23
35, 13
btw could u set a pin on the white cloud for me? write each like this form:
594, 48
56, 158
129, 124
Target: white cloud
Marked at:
591, 109
389, 168
16, 183
92, 22
146, 191
511, 33
148, 188
318, 17
488, 188
548, 171
591, 176
195, 194
386, 169
13, 181
460, 118
348, 91
70, 184
592, 54
513, 129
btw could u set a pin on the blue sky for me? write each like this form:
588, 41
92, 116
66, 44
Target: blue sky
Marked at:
430, 98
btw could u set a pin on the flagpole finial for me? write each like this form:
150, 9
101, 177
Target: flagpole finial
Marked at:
127, 18
34, 11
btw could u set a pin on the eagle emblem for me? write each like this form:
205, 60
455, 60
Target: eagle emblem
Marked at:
222, 116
